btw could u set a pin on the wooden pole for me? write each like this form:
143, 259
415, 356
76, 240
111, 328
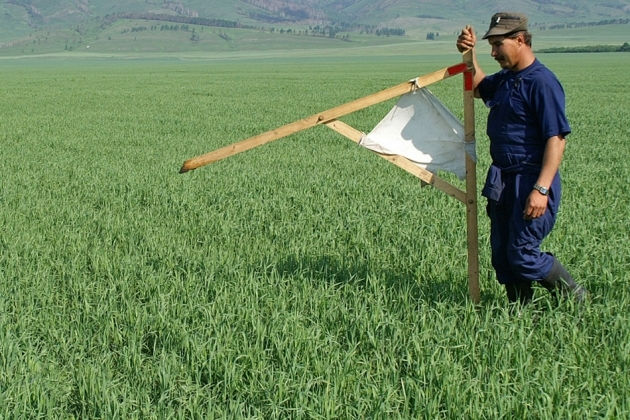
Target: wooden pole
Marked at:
471, 181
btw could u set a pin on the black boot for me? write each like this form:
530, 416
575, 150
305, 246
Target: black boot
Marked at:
520, 291
559, 279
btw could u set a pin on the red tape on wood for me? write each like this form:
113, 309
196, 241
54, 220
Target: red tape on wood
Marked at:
456, 69
468, 80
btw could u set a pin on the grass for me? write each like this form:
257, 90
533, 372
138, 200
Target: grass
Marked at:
306, 278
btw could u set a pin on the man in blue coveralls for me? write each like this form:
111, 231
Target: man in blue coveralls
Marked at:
527, 127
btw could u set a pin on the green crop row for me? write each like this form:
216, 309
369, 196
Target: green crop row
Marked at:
306, 278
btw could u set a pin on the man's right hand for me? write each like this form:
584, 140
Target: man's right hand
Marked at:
466, 40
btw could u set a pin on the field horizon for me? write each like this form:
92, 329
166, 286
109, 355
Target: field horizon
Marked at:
122, 40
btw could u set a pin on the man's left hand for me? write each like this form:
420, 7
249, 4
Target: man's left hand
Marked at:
535, 206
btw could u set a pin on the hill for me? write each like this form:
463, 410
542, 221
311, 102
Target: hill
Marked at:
42, 26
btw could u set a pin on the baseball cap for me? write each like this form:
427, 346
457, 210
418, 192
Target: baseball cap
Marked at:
504, 23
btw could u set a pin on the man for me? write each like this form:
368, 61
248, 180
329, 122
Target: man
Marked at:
527, 127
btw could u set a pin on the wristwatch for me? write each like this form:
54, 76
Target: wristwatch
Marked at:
541, 189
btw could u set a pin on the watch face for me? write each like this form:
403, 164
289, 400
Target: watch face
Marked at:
541, 189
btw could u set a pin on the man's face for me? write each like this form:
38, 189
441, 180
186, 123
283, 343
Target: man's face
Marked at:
506, 51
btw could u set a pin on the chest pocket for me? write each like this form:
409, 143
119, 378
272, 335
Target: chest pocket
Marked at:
506, 109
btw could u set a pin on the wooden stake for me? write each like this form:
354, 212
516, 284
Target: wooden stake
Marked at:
471, 182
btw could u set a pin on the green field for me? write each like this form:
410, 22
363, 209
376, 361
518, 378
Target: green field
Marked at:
306, 278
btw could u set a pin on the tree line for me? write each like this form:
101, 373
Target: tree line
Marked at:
221, 23
573, 25
588, 49
319, 30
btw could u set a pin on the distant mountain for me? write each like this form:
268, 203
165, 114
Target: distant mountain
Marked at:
19, 18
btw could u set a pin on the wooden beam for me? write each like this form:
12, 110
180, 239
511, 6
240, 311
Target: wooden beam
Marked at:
316, 119
385, 95
250, 143
400, 161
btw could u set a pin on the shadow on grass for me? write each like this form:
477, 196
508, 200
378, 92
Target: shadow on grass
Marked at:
451, 289
327, 269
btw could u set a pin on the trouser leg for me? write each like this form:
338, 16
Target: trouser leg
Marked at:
527, 260
499, 238
515, 242
520, 291
516, 290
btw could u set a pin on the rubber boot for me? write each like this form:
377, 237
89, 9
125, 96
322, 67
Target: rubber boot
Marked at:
559, 279
520, 291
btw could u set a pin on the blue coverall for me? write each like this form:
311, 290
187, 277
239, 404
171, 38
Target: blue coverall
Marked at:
526, 109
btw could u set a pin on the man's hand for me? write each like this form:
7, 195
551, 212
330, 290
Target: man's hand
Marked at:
466, 40
536, 203
535, 206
